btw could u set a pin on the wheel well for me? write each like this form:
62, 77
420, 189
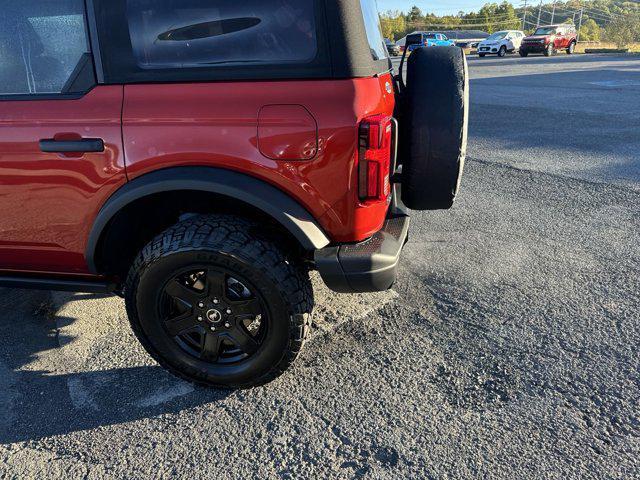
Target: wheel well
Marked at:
140, 221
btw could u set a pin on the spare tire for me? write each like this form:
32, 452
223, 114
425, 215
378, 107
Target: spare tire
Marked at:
434, 118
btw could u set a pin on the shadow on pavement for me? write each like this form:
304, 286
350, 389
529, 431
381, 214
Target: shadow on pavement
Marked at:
37, 402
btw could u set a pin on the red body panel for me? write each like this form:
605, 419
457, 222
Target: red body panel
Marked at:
216, 124
287, 132
49, 201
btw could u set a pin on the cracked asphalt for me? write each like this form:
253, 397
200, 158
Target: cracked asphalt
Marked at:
508, 348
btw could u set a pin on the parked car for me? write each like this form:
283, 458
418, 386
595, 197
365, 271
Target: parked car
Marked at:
392, 48
550, 39
501, 43
461, 38
170, 152
428, 39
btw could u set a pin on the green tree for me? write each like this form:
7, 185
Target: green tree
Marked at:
415, 15
624, 30
497, 17
590, 31
394, 25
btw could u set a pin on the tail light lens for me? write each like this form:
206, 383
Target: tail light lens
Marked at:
375, 158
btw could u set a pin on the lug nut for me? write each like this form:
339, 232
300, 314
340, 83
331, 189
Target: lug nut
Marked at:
228, 311
200, 318
227, 325
216, 301
213, 329
200, 305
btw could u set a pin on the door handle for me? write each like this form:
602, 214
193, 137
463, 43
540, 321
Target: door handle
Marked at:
86, 145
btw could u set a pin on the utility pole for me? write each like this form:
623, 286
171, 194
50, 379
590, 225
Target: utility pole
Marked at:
553, 14
580, 25
539, 12
524, 16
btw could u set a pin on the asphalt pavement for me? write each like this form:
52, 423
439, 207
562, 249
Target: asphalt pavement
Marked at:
508, 348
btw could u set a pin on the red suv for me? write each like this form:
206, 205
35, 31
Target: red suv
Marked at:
200, 157
549, 40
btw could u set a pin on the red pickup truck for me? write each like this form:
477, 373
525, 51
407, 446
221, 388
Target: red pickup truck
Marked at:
200, 157
550, 39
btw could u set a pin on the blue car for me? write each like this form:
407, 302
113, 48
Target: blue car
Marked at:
428, 39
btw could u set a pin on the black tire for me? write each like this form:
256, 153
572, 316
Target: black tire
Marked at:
434, 117
232, 249
503, 51
481, 55
549, 51
571, 49
523, 53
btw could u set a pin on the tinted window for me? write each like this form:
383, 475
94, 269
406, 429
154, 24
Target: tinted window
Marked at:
41, 43
374, 32
206, 33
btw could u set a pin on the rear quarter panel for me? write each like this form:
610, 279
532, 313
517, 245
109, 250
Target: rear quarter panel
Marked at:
216, 124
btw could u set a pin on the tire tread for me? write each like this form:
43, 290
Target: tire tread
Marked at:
235, 236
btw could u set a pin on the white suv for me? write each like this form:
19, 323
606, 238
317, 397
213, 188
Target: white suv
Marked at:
501, 42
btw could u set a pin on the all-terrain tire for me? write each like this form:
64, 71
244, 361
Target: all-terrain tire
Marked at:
240, 246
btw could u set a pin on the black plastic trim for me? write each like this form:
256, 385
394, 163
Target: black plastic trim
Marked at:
273, 202
72, 146
369, 266
28, 97
34, 283
350, 50
92, 27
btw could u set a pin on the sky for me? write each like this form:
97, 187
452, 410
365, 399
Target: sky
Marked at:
440, 7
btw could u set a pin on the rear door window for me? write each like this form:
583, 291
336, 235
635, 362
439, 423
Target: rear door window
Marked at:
41, 43
374, 30
168, 34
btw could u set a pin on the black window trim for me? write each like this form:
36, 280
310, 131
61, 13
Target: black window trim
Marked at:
22, 97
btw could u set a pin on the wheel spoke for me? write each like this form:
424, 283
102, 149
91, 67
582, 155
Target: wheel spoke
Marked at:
216, 284
247, 308
181, 324
243, 340
176, 289
211, 344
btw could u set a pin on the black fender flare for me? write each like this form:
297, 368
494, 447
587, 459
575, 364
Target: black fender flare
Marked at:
253, 191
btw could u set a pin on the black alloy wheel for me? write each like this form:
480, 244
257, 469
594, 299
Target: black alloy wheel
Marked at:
218, 301
214, 316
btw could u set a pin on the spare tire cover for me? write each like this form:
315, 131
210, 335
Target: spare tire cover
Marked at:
434, 119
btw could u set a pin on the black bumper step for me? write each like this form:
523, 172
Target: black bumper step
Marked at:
369, 266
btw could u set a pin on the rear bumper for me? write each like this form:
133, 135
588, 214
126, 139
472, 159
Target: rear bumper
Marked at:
369, 266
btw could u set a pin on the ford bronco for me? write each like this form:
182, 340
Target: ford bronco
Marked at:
201, 157
550, 39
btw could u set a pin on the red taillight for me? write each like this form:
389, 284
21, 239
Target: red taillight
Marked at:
375, 158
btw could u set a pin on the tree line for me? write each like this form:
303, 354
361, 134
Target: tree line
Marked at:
617, 21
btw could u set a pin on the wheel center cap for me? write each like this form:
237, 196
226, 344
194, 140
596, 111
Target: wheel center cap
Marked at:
214, 316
